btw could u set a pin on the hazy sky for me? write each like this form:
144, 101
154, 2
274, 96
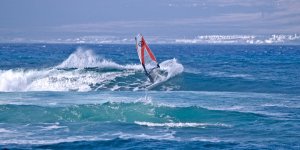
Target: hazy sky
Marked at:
58, 18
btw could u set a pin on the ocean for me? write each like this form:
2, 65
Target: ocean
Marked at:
96, 96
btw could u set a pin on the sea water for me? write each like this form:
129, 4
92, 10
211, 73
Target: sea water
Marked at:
76, 96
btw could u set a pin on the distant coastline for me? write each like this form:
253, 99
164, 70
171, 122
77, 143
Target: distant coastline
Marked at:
293, 39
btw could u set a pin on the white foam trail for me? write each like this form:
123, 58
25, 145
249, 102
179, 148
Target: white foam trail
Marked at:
180, 124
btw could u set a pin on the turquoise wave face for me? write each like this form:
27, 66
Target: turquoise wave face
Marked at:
121, 112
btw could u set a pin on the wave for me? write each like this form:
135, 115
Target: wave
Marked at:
83, 71
280, 106
82, 58
139, 113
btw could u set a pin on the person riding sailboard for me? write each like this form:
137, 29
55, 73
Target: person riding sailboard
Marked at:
141, 46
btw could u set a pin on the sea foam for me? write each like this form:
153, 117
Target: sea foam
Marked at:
81, 71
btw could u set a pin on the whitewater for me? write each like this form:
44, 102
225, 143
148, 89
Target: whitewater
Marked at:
91, 96
81, 71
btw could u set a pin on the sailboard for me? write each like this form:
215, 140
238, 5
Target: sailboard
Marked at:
148, 59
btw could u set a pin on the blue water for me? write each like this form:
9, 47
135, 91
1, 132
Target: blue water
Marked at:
72, 96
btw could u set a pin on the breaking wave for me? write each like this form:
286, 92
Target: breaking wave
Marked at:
83, 70
88, 59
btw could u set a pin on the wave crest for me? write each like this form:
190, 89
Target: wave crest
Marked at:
87, 59
83, 70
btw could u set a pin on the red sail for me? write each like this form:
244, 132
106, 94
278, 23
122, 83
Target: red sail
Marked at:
145, 45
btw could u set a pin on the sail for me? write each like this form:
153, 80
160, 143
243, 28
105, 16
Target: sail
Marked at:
141, 46
148, 59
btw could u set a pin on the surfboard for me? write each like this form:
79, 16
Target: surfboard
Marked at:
148, 60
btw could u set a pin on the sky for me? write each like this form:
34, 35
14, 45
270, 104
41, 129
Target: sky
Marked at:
170, 18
